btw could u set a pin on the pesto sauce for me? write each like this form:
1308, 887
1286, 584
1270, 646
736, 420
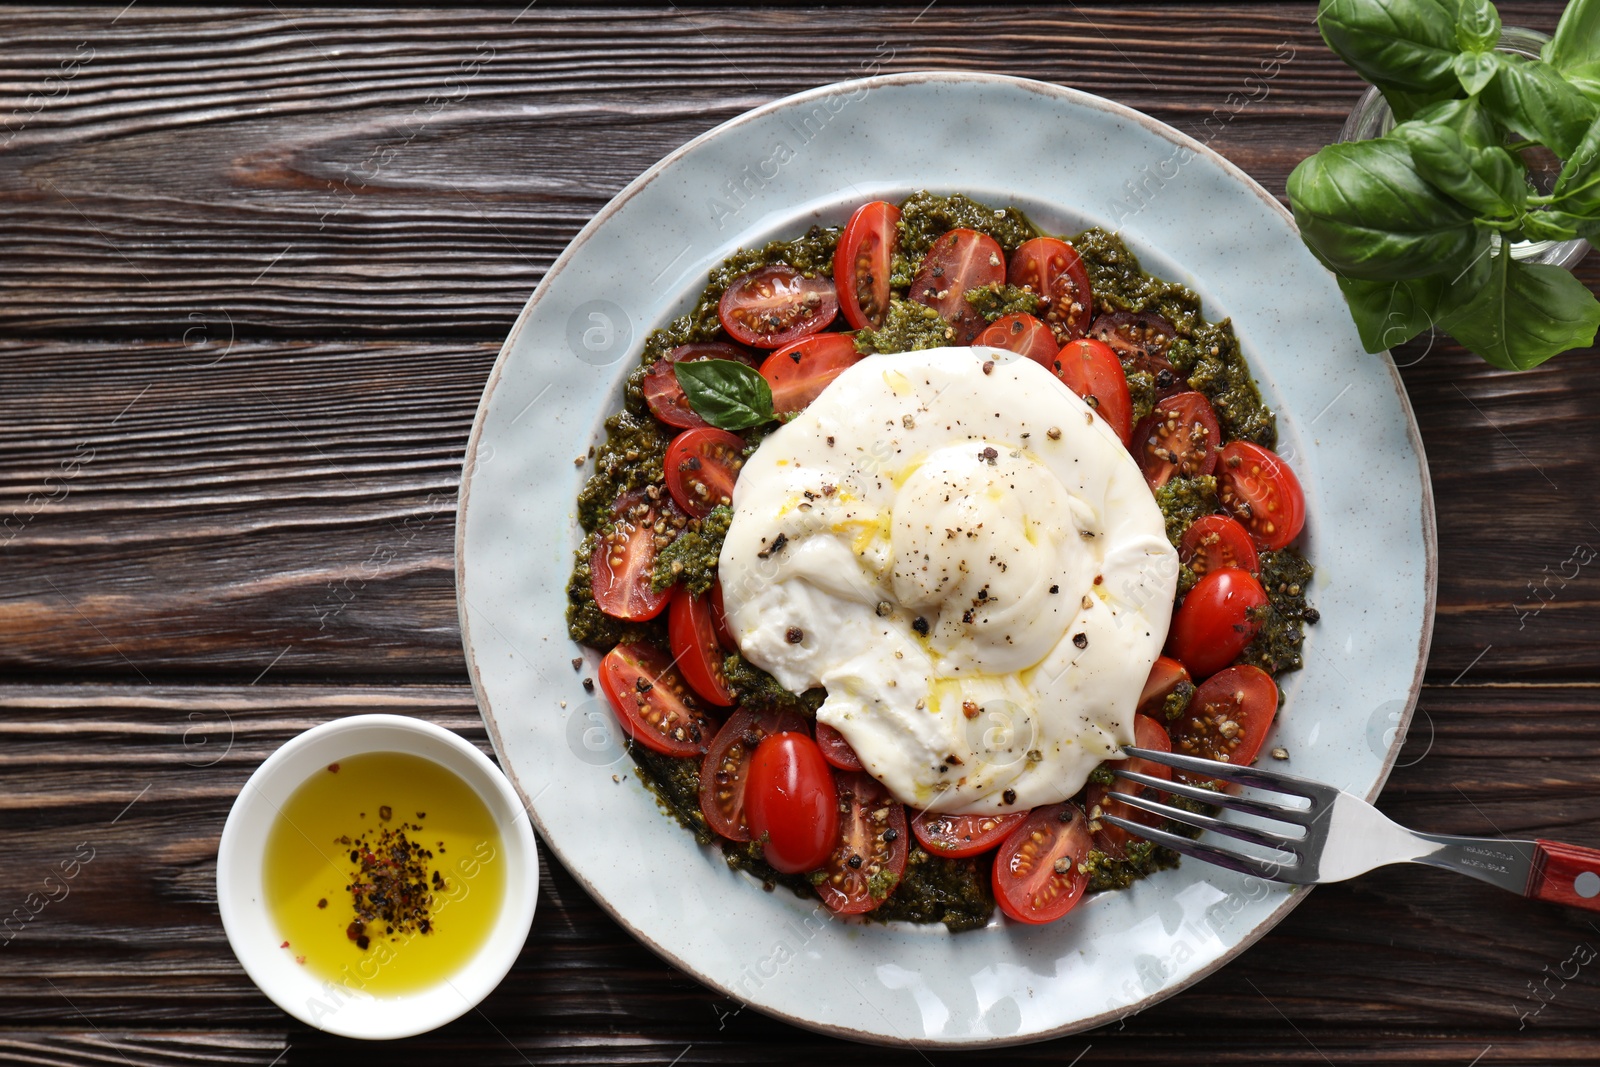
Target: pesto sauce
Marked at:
676, 784
811, 255
1285, 575
907, 327
1139, 859
1183, 500
757, 690
691, 558
926, 217
955, 892
994, 301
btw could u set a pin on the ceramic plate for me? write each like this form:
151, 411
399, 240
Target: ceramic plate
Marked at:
1070, 160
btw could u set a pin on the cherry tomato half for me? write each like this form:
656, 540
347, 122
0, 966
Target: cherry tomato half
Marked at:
1024, 335
1138, 334
958, 262
662, 391
1216, 620
1036, 877
1228, 718
861, 264
724, 771
1165, 676
1215, 541
652, 701
791, 803
963, 835
719, 619
1262, 493
701, 467
869, 855
1113, 840
1053, 269
773, 305
836, 750
624, 556
1092, 370
695, 649
798, 373
1179, 437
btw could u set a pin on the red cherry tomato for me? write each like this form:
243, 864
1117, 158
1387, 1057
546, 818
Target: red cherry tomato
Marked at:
1179, 437
1113, 840
695, 649
662, 391
653, 703
1165, 676
963, 835
624, 556
1092, 370
1141, 335
1262, 493
1216, 620
861, 264
1215, 541
719, 619
1024, 335
958, 262
1053, 269
773, 305
791, 803
1227, 719
798, 373
724, 771
1036, 877
701, 467
872, 829
836, 750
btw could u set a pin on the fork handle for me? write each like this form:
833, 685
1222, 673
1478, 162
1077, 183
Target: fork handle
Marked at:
1565, 874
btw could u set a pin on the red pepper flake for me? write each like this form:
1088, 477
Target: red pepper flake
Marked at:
333, 768
301, 960
284, 945
323, 903
393, 883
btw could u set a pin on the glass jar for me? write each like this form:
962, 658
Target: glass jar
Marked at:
1372, 118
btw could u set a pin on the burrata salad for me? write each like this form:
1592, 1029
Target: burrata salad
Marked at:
906, 530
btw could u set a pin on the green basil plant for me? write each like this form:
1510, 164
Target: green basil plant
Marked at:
1418, 224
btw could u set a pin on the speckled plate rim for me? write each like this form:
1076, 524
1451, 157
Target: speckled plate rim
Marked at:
1399, 717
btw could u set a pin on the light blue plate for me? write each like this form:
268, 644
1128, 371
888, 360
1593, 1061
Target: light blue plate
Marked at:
1071, 160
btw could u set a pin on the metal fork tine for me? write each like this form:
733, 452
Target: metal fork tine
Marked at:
1282, 812
1274, 872
1254, 835
1251, 776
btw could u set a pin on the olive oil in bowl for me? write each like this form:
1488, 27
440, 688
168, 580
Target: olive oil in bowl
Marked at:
384, 873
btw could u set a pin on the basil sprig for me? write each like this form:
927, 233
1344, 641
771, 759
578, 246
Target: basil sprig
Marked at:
725, 392
1417, 224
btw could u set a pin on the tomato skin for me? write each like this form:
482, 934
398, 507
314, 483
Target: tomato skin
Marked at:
662, 391
1053, 269
1262, 493
1215, 541
1141, 335
719, 619
1113, 840
862, 264
1216, 620
695, 649
880, 842
724, 772
1024, 335
957, 263
664, 714
791, 803
701, 466
1091, 369
798, 373
836, 750
770, 306
1242, 701
1027, 885
1179, 437
956, 836
1165, 676
623, 559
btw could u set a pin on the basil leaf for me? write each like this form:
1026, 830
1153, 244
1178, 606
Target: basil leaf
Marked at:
726, 393
1525, 314
1477, 27
1474, 69
1391, 313
1364, 212
1574, 51
1533, 100
1407, 45
1577, 188
1467, 118
1490, 181
1547, 226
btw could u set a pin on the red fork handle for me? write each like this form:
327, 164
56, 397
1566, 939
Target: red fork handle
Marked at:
1565, 874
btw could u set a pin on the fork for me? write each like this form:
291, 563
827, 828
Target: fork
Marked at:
1341, 835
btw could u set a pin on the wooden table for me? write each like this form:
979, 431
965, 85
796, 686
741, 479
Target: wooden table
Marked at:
255, 264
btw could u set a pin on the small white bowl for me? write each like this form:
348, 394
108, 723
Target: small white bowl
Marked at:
250, 928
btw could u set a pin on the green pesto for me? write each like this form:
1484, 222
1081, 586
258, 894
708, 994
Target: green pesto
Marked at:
1183, 500
691, 558
634, 455
955, 892
1142, 391
1139, 859
1102, 775
811, 255
908, 327
759, 691
1285, 575
1177, 701
926, 217
676, 784
748, 856
993, 301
